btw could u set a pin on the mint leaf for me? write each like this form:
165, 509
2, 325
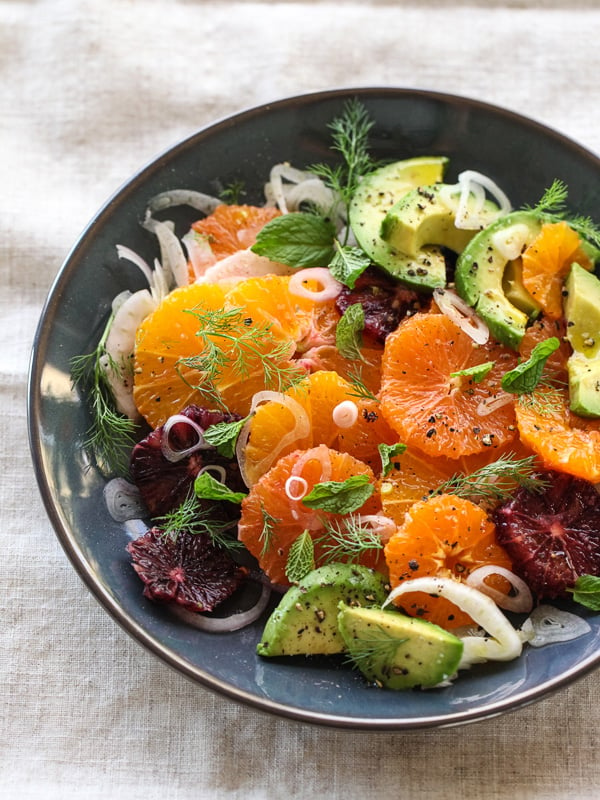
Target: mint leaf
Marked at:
586, 591
476, 373
348, 264
298, 240
224, 435
348, 334
340, 497
301, 558
387, 453
526, 376
208, 488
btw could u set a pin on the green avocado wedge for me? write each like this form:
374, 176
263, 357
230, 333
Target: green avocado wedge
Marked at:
375, 195
305, 621
426, 216
480, 275
582, 312
396, 651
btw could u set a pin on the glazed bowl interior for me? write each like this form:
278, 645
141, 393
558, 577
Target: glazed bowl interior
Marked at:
521, 155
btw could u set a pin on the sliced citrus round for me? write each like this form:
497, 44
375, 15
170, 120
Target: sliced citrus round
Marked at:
446, 536
429, 403
200, 346
563, 440
546, 263
233, 227
272, 519
322, 409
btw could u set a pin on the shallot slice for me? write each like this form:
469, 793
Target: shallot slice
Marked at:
462, 315
345, 414
295, 493
520, 600
176, 455
330, 288
475, 184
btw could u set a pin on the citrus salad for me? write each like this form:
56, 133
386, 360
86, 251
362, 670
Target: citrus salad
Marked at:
376, 396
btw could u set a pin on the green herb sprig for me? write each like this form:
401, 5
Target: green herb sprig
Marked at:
552, 207
495, 482
196, 518
111, 435
347, 539
228, 339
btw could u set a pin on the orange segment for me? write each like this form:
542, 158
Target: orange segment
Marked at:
275, 429
164, 384
166, 336
270, 521
428, 408
563, 441
231, 228
546, 263
445, 536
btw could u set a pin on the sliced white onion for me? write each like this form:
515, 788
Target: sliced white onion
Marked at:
321, 275
300, 430
520, 600
176, 455
130, 255
547, 625
474, 184
493, 403
204, 203
345, 414
123, 500
234, 622
295, 493
502, 642
462, 315
217, 469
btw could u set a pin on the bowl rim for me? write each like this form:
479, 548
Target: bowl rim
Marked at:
67, 536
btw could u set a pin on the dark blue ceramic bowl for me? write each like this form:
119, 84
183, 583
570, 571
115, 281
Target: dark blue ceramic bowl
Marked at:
523, 156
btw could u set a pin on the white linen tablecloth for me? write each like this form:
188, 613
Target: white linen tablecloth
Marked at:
90, 92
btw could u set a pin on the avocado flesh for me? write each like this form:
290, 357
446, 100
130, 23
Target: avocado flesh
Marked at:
515, 291
426, 216
396, 651
375, 195
480, 272
305, 621
582, 312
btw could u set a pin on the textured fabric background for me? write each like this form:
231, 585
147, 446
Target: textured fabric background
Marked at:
90, 92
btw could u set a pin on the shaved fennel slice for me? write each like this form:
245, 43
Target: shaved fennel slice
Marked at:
548, 625
204, 203
117, 361
171, 252
501, 641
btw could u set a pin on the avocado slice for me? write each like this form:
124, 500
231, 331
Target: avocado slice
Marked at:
305, 621
479, 276
426, 216
396, 651
582, 311
375, 195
